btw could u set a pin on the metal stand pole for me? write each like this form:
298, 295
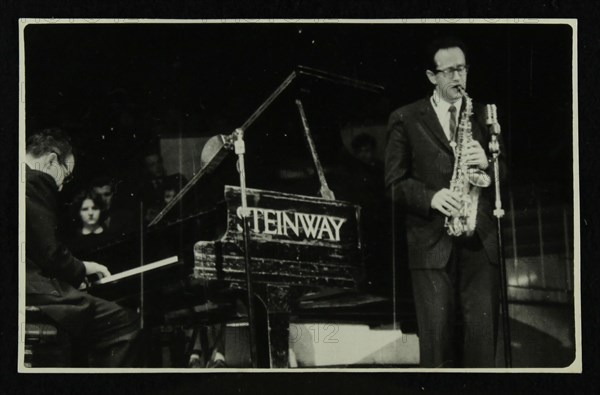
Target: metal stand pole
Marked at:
503, 290
326, 193
141, 264
240, 150
499, 213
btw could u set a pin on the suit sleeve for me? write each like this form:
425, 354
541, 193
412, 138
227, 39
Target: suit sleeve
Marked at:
45, 248
401, 186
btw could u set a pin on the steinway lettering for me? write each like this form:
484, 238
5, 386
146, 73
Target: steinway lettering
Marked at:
286, 223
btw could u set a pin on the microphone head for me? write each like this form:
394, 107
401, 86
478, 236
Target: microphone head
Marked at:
491, 119
490, 114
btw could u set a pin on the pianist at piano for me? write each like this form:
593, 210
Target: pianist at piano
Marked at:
193, 269
53, 275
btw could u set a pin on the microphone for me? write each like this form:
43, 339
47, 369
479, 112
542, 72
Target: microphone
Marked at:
491, 119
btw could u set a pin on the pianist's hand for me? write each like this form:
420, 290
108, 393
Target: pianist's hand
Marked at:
95, 268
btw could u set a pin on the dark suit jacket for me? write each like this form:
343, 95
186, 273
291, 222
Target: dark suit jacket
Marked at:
52, 272
419, 162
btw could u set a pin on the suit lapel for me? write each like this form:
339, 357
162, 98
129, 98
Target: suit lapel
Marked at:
433, 126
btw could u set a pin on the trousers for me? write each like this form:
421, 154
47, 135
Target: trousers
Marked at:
108, 333
457, 308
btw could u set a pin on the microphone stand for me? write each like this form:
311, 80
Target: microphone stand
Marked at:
239, 146
240, 150
494, 146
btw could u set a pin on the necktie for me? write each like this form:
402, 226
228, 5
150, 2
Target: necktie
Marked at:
452, 110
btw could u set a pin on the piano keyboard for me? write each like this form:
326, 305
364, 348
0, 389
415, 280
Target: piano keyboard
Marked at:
138, 270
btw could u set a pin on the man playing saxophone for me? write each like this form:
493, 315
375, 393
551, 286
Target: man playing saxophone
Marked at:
453, 269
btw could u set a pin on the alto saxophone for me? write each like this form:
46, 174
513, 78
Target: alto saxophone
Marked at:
466, 180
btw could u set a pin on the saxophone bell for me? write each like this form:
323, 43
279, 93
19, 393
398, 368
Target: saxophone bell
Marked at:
478, 177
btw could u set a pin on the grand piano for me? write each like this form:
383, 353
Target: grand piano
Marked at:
284, 253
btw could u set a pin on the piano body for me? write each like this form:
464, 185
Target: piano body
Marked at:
295, 240
298, 245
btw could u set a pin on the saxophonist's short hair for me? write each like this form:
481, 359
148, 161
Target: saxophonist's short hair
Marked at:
438, 43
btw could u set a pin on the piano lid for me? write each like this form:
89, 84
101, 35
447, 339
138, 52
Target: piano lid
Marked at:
278, 156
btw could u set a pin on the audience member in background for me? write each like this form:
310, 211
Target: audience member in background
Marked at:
367, 190
117, 221
170, 190
364, 147
366, 172
88, 214
359, 179
154, 182
169, 193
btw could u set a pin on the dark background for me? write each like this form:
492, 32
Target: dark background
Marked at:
117, 87
588, 47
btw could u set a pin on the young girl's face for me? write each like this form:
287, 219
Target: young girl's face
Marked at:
169, 194
89, 212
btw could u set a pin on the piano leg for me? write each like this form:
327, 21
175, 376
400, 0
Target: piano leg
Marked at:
278, 305
278, 339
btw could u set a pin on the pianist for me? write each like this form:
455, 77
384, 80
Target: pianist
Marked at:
53, 275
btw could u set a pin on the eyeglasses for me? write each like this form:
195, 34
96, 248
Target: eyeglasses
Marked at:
68, 175
449, 72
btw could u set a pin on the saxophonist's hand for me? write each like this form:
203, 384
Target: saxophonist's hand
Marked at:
475, 155
446, 202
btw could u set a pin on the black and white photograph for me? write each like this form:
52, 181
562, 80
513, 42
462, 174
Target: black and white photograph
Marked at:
299, 195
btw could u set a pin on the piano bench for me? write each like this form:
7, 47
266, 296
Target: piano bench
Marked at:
45, 344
